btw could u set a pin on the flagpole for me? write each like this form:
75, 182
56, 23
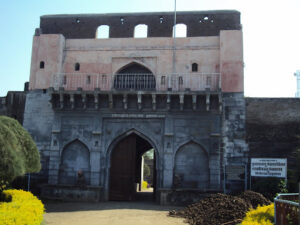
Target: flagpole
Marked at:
174, 43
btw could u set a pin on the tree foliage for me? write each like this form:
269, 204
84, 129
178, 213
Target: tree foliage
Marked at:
18, 152
149, 154
147, 171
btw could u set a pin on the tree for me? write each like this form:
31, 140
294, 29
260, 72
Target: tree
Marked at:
147, 171
149, 154
18, 152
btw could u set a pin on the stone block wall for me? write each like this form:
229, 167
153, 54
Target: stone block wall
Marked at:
13, 105
169, 128
273, 128
235, 148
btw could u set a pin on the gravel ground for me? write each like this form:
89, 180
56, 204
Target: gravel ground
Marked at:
109, 213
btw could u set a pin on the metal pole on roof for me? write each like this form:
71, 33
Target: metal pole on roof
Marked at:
174, 39
297, 75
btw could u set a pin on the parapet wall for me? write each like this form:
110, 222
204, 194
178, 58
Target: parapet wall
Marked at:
160, 24
273, 111
13, 105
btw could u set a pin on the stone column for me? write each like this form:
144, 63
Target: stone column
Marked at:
54, 160
168, 170
235, 148
95, 153
168, 156
95, 168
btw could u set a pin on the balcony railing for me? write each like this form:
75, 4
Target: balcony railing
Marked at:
159, 82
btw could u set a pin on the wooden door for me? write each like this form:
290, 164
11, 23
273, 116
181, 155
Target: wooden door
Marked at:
122, 170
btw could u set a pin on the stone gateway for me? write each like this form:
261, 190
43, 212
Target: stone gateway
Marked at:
96, 105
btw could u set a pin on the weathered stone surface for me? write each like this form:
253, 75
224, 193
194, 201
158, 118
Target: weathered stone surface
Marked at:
13, 105
204, 23
72, 193
273, 128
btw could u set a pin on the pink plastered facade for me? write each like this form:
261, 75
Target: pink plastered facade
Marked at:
219, 60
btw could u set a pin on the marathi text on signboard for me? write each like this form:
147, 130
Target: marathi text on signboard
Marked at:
268, 167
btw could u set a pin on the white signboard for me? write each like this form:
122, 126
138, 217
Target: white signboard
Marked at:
265, 167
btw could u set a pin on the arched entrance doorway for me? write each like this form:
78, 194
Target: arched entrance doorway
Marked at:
126, 169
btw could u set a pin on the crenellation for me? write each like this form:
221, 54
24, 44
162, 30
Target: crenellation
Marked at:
160, 24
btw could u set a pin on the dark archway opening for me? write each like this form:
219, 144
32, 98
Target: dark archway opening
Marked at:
136, 77
125, 183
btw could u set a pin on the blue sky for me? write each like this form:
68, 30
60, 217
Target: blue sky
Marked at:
271, 31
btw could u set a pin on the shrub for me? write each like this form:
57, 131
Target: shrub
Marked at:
262, 215
269, 186
145, 185
18, 152
23, 209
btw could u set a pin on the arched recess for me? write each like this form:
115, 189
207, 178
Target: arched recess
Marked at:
191, 167
102, 32
134, 76
180, 30
140, 31
75, 157
125, 151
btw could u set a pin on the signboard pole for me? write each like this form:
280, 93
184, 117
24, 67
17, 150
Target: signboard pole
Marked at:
250, 182
286, 179
224, 183
246, 178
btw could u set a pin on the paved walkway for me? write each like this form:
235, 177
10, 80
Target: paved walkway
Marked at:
109, 213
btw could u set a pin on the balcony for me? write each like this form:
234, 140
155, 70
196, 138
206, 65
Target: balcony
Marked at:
137, 82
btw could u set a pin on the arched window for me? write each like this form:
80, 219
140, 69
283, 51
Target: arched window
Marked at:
180, 30
102, 31
42, 64
161, 19
134, 76
141, 31
194, 67
77, 67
